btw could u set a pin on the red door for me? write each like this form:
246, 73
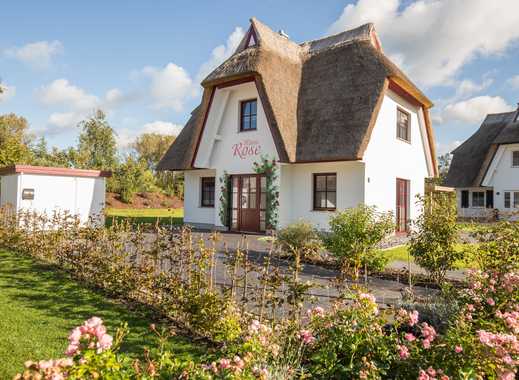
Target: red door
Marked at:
247, 203
402, 205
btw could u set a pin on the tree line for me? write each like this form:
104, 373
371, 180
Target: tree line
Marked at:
96, 148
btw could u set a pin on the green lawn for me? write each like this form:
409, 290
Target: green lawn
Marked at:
400, 254
39, 305
165, 216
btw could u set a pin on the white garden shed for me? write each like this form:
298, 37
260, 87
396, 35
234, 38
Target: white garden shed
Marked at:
48, 189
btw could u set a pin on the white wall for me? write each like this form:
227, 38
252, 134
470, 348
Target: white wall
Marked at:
219, 142
473, 212
502, 176
80, 196
9, 191
296, 195
194, 213
388, 158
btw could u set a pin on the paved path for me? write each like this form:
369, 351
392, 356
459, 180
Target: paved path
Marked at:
386, 291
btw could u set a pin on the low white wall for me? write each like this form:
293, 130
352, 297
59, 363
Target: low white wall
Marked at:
194, 213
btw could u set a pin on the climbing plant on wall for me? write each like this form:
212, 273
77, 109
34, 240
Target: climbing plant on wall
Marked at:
269, 168
225, 182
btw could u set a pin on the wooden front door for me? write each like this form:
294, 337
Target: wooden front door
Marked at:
402, 205
248, 203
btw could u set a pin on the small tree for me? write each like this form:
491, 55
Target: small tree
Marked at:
131, 177
433, 244
300, 239
355, 234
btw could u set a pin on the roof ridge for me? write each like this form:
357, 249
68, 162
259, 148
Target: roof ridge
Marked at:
368, 24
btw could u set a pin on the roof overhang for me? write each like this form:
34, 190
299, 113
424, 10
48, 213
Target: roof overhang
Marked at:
52, 171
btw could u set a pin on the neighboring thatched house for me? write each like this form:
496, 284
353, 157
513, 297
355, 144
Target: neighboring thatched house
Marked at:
344, 125
485, 168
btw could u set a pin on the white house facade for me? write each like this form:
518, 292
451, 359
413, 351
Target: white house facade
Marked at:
47, 190
485, 170
336, 142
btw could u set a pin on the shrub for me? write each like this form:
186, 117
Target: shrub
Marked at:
433, 243
355, 234
498, 248
299, 238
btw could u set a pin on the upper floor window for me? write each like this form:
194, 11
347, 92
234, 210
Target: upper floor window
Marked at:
515, 158
248, 114
403, 125
325, 191
207, 192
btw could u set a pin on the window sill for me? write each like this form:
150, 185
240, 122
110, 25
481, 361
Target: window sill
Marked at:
404, 140
247, 130
206, 206
323, 210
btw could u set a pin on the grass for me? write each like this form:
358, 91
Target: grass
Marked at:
40, 304
400, 253
164, 216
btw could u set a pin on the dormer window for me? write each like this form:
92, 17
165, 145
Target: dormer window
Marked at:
515, 158
251, 38
248, 114
403, 125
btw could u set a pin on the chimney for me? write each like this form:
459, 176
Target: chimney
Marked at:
282, 33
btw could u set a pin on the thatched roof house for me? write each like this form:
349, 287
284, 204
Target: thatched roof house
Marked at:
340, 120
336, 83
485, 168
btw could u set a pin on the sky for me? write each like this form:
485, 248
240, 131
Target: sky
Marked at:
142, 61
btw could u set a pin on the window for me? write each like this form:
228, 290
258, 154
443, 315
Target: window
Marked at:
248, 115
403, 125
325, 191
478, 199
464, 199
511, 199
207, 192
515, 158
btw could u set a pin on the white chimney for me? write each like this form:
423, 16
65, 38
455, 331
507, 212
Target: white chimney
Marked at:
282, 33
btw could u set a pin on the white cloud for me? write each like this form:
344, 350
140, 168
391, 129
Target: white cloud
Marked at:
7, 92
467, 88
36, 54
126, 136
474, 110
514, 81
59, 121
434, 39
170, 86
62, 93
162, 128
221, 53
447, 148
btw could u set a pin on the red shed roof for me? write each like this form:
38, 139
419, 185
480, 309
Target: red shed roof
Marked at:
43, 170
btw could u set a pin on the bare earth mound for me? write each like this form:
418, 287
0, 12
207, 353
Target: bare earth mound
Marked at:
144, 200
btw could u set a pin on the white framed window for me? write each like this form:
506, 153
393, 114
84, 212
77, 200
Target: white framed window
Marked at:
511, 199
478, 199
515, 158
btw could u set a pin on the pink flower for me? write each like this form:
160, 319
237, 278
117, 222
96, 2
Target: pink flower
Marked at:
431, 372
99, 331
403, 351
93, 322
426, 344
409, 337
367, 296
225, 363
306, 336
104, 343
508, 375
75, 335
254, 326
491, 301
317, 311
238, 362
422, 375
45, 364
458, 349
72, 350
413, 318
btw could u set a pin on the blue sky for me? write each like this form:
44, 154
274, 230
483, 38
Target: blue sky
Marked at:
142, 61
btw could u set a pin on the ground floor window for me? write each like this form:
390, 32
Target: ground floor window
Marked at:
478, 199
325, 191
207, 192
511, 199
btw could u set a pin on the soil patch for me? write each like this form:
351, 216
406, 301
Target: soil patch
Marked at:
145, 200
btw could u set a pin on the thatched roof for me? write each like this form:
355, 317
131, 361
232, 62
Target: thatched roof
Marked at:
471, 159
321, 97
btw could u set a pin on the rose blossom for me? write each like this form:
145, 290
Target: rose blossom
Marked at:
458, 349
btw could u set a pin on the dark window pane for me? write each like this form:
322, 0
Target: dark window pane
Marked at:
253, 107
507, 199
253, 122
516, 199
331, 182
331, 199
515, 158
248, 115
208, 185
478, 199
320, 183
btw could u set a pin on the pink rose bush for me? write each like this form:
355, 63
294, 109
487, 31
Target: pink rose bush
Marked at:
91, 335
